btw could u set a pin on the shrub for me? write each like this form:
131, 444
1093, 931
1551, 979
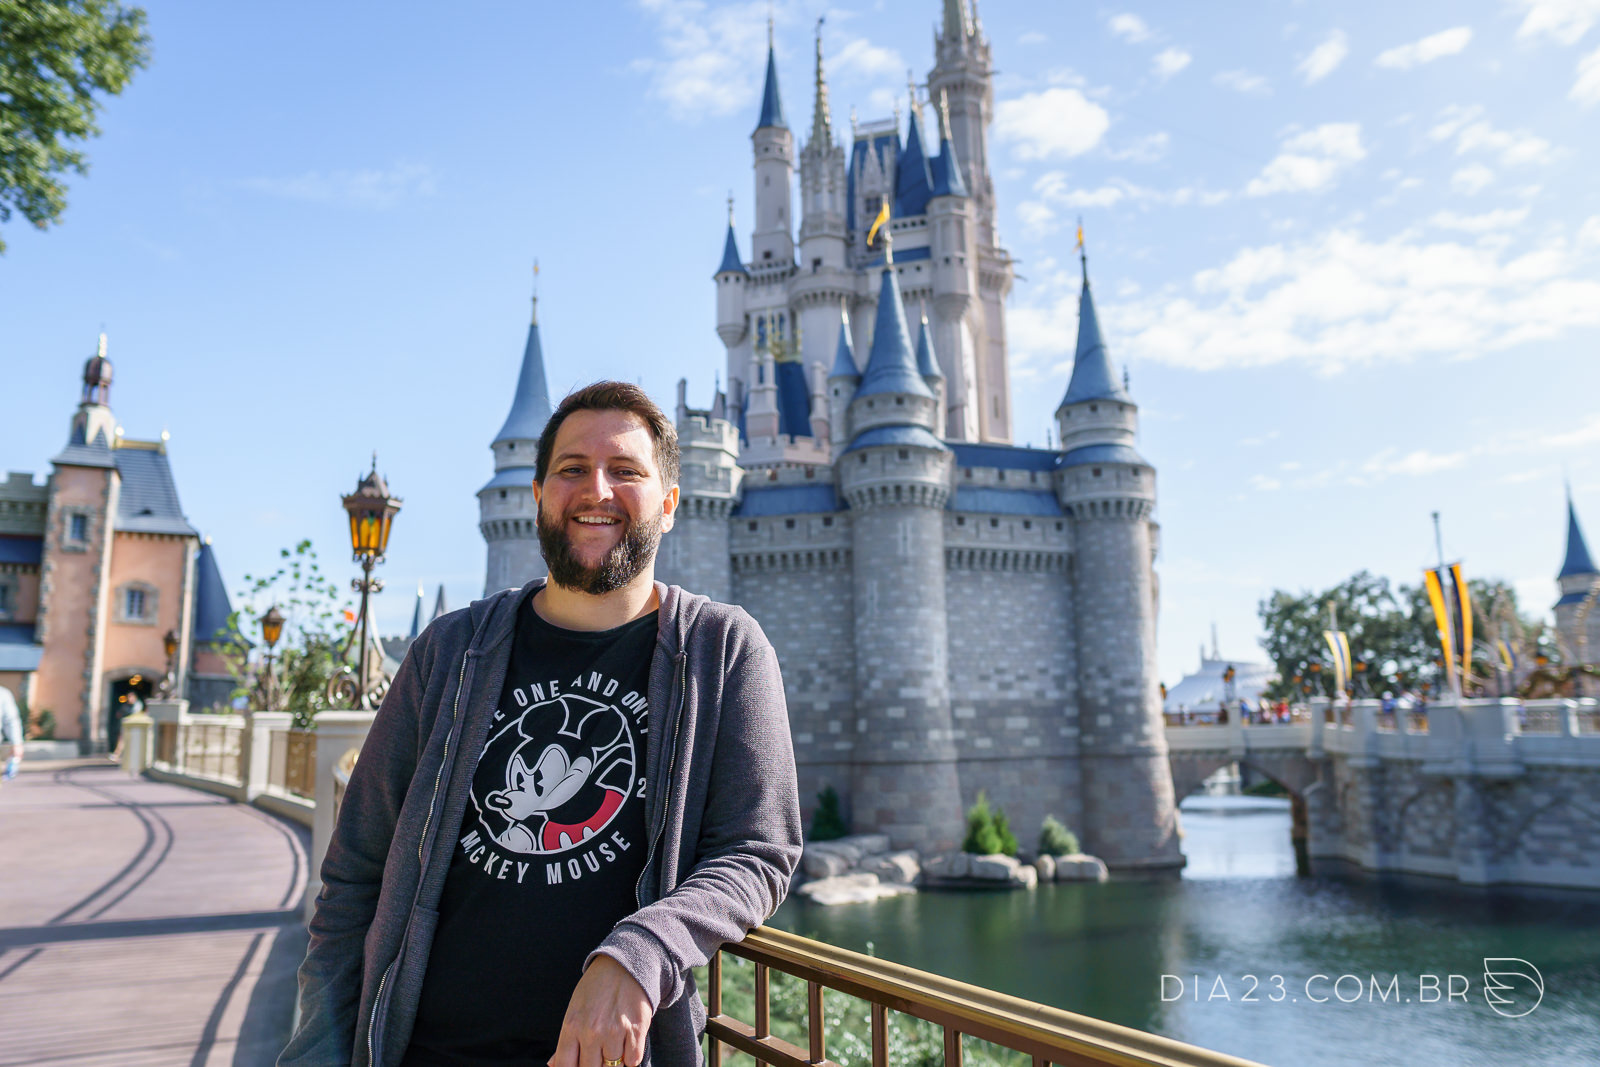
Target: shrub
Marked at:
1055, 839
987, 830
826, 822
42, 726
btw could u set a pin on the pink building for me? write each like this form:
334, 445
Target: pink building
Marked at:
97, 566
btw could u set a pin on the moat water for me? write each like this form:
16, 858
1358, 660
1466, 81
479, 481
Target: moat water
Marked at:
1242, 942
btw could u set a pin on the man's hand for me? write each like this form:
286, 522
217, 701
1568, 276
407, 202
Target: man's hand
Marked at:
607, 1019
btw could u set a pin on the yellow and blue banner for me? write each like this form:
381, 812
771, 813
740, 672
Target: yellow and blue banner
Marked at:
1339, 645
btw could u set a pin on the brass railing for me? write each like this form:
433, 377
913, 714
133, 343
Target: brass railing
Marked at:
292, 763
1046, 1035
203, 749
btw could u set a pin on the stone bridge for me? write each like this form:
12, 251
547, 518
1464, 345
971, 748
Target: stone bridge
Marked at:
1486, 792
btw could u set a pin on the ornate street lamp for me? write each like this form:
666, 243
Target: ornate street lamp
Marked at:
271, 630
372, 511
169, 681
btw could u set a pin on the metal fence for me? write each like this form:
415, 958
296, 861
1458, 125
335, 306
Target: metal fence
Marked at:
292, 763
202, 749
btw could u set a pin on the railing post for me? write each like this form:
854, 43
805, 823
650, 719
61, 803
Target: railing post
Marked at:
138, 734
175, 713
255, 759
1318, 725
337, 732
1569, 718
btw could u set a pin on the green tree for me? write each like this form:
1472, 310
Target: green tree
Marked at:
315, 638
1394, 641
827, 823
1055, 839
55, 56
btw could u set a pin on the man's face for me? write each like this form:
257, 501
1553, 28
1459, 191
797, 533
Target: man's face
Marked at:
602, 507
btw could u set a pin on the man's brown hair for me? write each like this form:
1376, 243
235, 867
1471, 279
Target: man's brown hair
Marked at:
615, 396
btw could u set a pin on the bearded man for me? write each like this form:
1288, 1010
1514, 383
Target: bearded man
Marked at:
573, 793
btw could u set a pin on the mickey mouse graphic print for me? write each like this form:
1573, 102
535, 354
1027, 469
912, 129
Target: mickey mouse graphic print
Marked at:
551, 848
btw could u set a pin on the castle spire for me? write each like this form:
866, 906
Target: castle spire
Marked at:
416, 614
730, 247
927, 365
844, 355
892, 364
947, 180
821, 122
1092, 377
1578, 560
955, 22
771, 104
530, 406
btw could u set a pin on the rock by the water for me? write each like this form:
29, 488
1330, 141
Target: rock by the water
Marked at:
1080, 868
1024, 875
948, 865
993, 868
819, 862
851, 889
899, 868
1046, 866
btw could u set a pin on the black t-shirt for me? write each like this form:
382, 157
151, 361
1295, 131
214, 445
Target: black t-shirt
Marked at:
551, 849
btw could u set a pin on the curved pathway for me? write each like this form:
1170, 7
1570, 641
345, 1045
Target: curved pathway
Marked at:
143, 923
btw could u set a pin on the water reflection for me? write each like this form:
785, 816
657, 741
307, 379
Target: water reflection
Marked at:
1239, 911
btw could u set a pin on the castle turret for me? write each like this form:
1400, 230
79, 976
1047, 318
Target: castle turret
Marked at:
507, 514
1109, 492
842, 382
1581, 637
896, 476
950, 235
731, 278
695, 552
773, 144
822, 186
93, 417
928, 367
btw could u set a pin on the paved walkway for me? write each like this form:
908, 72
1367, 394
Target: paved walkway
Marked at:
143, 923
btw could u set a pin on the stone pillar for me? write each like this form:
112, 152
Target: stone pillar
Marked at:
255, 757
337, 733
137, 734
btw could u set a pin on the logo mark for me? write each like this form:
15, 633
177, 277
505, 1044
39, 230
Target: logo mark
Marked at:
1509, 983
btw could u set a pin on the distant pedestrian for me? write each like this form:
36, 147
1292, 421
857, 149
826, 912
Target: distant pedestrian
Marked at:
10, 732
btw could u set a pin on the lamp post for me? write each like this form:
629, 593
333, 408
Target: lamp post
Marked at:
169, 681
271, 630
372, 511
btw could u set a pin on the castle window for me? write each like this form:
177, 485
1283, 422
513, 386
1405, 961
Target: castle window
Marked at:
512, 447
1095, 472
827, 520
752, 527
766, 254
961, 520
502, 494
968, 472
1059, 526
811, 472
1001, 475
1094, 407
869, 403
136, 602
8, 598
1027, 524
904, 454
77, 527
899, 400
788, 524
994, 523
816, 264
863, 458
772, 475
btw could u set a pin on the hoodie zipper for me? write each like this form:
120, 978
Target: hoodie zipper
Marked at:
672, 760
377, 1000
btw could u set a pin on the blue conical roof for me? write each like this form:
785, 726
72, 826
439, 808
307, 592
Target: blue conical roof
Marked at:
771, 104
794, 398
416, 615
912, 183
892, 366
530, 408
211, 604
927, 365
947, 180
1578, 560
1092, 378
844, 355
730, 254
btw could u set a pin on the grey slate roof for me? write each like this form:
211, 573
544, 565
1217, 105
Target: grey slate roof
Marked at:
96, 453
730, 255
771, 104
926, 363
914, 436
21, 549
1005, 457
992, 501
844, 354
510, 478
530, 407
1092, 378
18, 650
149, 499
794, 398
947, 180
913, 185
788, 500
892, 365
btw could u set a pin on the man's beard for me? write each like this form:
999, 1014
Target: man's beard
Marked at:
626, 560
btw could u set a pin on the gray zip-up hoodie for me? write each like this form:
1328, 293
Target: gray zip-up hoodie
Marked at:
724, 825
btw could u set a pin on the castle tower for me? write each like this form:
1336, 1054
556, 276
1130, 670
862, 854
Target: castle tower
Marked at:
825, 276
896, 476
507, 514
950, 229
842, 382
1580, 639
695, 553
773, 144
928, 367
1109, 492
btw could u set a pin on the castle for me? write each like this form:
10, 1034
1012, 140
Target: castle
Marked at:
99, 569
952, 613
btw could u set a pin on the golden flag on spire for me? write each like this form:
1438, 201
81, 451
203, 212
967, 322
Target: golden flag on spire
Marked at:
877, 223
1080, 235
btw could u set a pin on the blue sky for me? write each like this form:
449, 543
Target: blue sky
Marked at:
1349, 253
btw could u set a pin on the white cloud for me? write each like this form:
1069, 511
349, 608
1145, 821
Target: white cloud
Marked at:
1032, 37
1170, 61
1052, 190
1474, 133
1389, 463
1310, 161
861, 56
1242, 81
1563, 21
705, 65
1146, 149
1324, 59
1437, 46
1488, 222
373, 189
1586, 90
1129, 27
1336, 301
1053, 124
1472, 179
1261, 483
1589, 232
